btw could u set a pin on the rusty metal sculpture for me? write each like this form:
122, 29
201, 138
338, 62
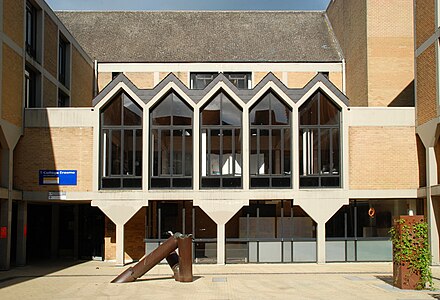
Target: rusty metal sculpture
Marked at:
182, 267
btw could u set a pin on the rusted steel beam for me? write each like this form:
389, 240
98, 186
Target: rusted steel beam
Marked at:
184, 243
149, 261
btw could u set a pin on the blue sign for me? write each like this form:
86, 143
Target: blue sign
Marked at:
58, 177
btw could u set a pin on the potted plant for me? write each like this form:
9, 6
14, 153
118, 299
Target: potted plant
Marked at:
411, 254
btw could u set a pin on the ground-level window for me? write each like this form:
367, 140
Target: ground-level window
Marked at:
121, 144
271, 231
360, 231
319, 143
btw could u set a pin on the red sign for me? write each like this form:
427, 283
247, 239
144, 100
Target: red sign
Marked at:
3, 232
25, 230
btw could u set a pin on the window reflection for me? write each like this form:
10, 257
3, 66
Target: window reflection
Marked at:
270, 161
172, 138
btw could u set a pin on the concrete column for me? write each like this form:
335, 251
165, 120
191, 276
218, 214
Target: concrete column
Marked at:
5, 226
21, 233
6, 210
431, 180
320, 242
221, 249
245, 150
120, 250
55, 233
76, 231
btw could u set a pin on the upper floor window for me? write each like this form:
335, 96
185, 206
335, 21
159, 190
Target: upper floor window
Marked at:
270, 147
242, 80
31, 29
62, 60
319, 143
221, 142
121, 144
172, 143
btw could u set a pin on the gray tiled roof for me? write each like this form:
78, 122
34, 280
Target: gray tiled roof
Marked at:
204, 36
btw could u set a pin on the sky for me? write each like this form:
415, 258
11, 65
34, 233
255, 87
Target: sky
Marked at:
188, 4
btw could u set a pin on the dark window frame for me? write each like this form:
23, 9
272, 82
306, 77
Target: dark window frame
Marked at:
62, 60
319, 128
221, 128
246, 76
30, 77
256, 180
31, 30
108, 163
172, 178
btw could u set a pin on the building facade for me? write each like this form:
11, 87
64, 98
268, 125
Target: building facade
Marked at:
270, 136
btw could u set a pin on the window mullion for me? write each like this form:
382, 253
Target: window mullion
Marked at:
159, 152
183, 152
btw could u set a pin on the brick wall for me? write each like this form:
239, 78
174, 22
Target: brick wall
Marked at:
50, 46
134, 235
12, 91
299, 79
49, 93
53, 149
142, 80
383, 158
390, 53
82, 80
13, 20
258, 76
426, 86
183, 76
104, 78
349, 21
425, 20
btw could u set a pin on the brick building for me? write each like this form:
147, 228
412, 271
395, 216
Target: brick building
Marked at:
270, 136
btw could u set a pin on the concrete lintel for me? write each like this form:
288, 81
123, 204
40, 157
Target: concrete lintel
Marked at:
120, 212
383, 194
220, 211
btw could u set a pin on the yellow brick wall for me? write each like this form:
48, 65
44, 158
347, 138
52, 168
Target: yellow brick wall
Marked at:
425, 20
390, 53
134, 235
49, 93
336, 79
426, 86
104, 78
82, 80
13, 20
258, 76
53, 149
183, 76
50, 45
142, 80
349, 22
383, 158
12, 91
298, 79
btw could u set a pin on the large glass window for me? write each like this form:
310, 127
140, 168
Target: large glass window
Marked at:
319, 143
270, 153
31, 29
171, 138
121, 144
221, 143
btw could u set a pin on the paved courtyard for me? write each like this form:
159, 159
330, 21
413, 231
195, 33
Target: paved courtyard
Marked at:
91, 280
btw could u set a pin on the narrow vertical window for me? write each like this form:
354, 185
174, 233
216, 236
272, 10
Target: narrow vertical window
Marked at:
270, 143
221, 143
62, 61
121, 144
31, 29
30, 79
319, 143
171, 139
